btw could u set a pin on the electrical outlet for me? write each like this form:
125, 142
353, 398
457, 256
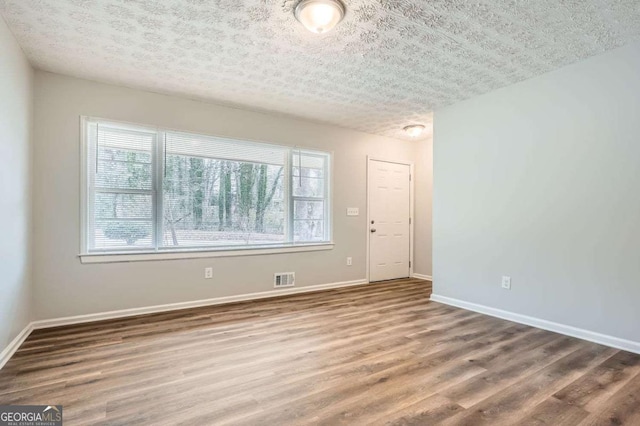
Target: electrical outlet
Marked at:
208, 273
349, 261
506, 283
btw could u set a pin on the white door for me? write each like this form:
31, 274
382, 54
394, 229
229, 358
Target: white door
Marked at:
389, 220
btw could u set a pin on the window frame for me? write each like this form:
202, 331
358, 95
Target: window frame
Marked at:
160, 252
328, 176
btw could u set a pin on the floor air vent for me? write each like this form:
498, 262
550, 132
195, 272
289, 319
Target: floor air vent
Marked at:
284, 279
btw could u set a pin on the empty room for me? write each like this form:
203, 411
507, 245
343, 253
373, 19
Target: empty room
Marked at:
319, 212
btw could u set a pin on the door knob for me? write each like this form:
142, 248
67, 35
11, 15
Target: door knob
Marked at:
373, 230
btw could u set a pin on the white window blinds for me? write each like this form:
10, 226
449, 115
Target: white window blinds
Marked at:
190, 145
120, 187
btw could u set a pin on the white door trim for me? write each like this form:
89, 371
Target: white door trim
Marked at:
411, 211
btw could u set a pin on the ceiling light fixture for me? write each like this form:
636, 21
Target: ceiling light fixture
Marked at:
319, 16
414, 130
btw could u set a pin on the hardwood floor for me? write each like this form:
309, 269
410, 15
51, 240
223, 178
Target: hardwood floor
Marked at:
376, 354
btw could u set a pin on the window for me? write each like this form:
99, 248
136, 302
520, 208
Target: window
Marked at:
150, 190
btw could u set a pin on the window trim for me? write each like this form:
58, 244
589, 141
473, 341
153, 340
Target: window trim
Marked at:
146, 255
167, 253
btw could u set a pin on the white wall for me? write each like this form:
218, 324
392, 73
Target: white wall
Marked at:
64, 286
16, 80
423, 189
541, 181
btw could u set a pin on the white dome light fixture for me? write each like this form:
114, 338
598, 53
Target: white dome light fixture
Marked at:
415, 130
319, 16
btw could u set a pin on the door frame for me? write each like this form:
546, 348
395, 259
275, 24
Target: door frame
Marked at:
411, 211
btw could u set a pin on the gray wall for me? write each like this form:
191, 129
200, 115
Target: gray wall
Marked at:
16, 100
65, 287
541, 181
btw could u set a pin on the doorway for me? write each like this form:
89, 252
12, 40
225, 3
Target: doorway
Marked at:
390, 211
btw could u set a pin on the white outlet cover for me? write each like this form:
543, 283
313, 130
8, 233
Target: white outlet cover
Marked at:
349, 261
353, 211
506, 282
208, 273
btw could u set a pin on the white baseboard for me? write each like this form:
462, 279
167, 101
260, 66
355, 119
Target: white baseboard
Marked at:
15, 344
422, 277
78, 319
56, 322
603, 339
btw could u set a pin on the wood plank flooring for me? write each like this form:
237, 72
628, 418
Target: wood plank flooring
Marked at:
375, 354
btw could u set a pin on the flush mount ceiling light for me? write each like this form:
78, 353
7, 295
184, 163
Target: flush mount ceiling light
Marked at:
319, 16
414, 130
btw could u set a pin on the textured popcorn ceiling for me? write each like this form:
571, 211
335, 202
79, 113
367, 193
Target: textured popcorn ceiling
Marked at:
388, 64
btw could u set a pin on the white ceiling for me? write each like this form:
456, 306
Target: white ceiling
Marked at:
388, 64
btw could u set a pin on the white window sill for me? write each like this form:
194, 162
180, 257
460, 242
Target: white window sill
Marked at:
114, 257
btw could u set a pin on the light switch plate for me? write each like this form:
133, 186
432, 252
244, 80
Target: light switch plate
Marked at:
353, 211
